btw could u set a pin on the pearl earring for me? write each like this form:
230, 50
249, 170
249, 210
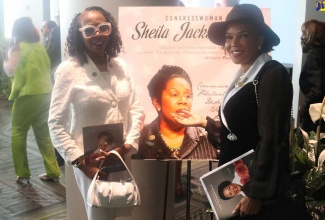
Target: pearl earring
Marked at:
259, 47
159, 109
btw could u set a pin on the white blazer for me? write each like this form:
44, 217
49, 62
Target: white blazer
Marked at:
83, 97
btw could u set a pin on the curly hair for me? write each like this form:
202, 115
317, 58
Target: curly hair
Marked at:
313, 33
158, 82
75, 46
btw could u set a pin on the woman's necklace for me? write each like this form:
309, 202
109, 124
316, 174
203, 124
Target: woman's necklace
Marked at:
99, 66
174, 150
104, 64
240, 83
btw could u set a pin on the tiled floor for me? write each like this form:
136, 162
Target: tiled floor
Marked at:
39, 200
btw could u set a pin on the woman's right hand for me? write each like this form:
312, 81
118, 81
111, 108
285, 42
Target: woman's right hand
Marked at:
89, 167
248, 206
188, 119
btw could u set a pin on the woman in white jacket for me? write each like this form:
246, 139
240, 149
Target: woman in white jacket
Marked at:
93, 87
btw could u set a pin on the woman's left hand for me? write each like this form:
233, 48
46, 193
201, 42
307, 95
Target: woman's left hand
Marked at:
188, 119
248, 206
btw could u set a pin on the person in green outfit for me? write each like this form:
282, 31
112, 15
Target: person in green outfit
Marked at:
29, 65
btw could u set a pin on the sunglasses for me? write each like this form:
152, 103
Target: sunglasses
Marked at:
89, 31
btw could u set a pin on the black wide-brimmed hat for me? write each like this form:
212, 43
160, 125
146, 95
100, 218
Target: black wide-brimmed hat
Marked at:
243, 12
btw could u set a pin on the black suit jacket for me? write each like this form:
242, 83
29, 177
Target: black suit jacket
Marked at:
264, 128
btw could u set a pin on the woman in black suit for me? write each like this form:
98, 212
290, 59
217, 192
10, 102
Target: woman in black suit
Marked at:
312, 76
255, 114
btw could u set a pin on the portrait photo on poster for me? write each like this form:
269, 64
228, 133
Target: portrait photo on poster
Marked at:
171, 92
176, 37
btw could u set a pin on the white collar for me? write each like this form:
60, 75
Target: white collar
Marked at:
249, 76
251, 72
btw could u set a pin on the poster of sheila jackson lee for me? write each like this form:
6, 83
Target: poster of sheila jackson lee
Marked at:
175, 67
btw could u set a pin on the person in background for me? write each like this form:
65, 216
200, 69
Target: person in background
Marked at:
170, 90
29, 65
47, 27
53, 49
52, 43
93, 87
255, 114
312, 76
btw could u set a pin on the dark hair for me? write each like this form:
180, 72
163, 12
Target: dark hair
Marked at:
75, 45
108, 135
50, 24
315, 33
23, 30
158, 82
221, 186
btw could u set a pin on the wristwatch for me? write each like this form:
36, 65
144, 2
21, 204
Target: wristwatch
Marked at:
77, 162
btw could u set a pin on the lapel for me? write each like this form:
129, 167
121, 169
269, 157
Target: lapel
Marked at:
190, 142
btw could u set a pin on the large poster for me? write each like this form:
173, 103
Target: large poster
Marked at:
157, 36
154, 37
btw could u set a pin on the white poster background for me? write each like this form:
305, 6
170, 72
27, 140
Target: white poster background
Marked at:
157, 36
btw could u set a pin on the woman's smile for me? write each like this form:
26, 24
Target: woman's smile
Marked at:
242, 44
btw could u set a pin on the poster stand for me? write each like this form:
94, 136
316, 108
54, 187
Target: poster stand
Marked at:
188, 189
210, 168
166, 190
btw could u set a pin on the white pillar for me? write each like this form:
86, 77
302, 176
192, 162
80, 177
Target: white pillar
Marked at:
55, 11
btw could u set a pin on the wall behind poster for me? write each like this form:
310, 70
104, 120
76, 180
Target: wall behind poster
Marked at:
157, 36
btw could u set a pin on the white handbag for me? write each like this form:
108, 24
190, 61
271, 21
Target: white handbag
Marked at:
113, 193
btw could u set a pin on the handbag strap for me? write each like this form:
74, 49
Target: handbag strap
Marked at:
121, 159
260, 73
